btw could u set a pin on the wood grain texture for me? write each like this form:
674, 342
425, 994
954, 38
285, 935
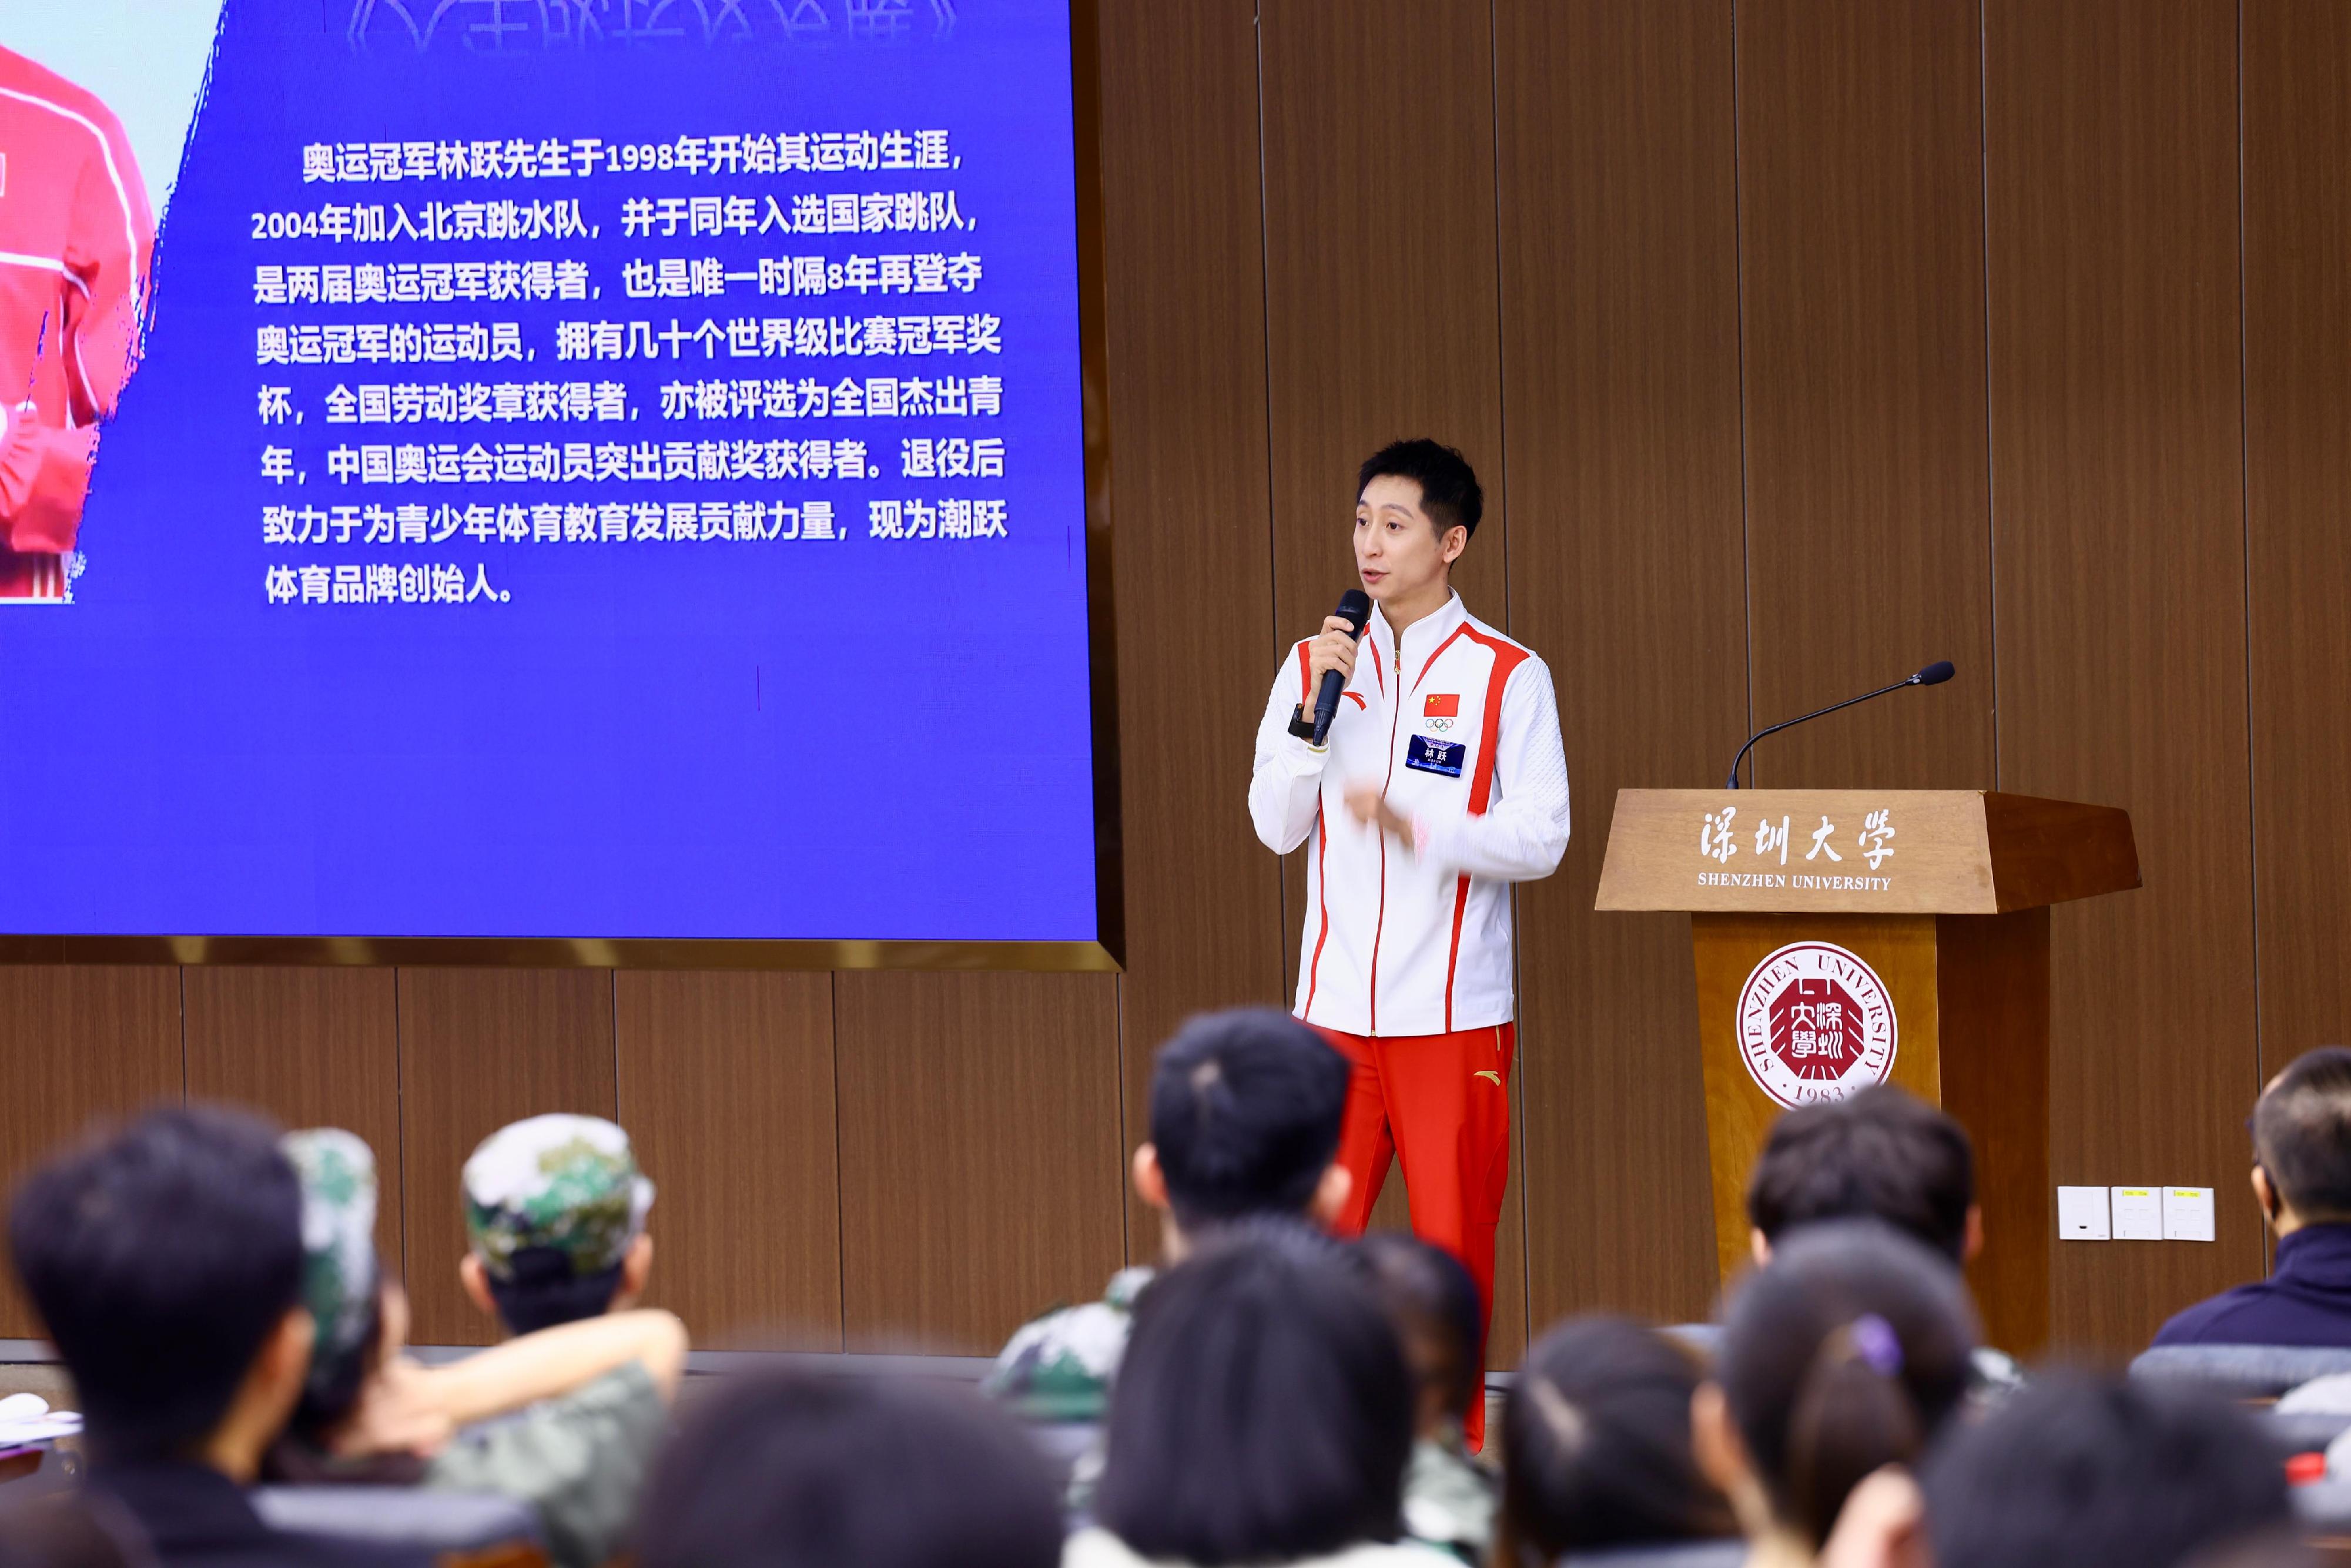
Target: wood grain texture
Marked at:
725, 1084
1381, 316
1189, 505
1707, 848
2053, 851
80, 1043
479, 1048
1991, 985
1618, 249
2110, 128
2297, 222
1861, 257
312, 1048
1900, 948
1955, 851
981, 1165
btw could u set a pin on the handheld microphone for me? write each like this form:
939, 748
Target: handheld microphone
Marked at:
1355, 609
1934, 674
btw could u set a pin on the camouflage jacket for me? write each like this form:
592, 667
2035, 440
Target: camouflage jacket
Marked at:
1448, 1499
1059, 1367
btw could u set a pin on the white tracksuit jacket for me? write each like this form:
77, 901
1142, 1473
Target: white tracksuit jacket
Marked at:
1460, 725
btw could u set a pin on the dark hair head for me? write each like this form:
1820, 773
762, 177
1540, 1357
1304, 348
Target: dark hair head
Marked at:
1449, 492
543, 1291
1439, 1321
1596, 1445
1847, 1352
1883, 1153
1244, 1110
2301, 1133
2074, 1472
798, 1469
336, 1381
1262, 1411
161, 1257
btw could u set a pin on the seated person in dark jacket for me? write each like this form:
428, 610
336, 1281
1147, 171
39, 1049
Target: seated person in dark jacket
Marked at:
165, 1260
2302, 1180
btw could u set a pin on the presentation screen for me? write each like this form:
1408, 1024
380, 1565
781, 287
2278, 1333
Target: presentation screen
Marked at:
543, 469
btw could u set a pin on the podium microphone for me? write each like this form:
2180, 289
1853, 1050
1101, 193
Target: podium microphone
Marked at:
1355, 609
1934, 674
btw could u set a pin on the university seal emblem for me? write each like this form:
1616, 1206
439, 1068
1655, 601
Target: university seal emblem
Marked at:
1815, 1023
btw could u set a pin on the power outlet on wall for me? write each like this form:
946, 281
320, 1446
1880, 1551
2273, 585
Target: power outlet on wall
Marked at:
2135, 1213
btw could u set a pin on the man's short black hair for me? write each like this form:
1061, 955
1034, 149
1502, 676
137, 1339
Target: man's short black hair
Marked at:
1245, 1112
805, 1470
1449, 491
543, 1292
159, 1257
1883, 1153
1262, 1411
2073, 1472
2301, 1133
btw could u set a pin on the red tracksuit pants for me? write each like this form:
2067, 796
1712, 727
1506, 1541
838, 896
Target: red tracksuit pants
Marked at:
1442, 1102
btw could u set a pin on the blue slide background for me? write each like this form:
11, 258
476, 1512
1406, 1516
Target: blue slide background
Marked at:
862, 739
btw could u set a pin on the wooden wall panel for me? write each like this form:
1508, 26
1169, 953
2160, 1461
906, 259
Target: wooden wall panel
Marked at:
313, 1048
1861, 258
80, 1043
1621, 375
2297, 216
2118, 481
725, 1084
479, 1048
1380, 314
981, 1159
1190, 522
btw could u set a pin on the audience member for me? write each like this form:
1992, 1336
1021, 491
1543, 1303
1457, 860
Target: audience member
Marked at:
803, 1470
1845, 1353
1885, 1155
2075, 1473
555, 1222
1263, 1414
583, 1404
1596, 1446
1245, 1112
2302, 1180
165, 1260
1432, 1301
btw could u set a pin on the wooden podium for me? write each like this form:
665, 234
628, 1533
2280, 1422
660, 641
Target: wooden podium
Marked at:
1848, 936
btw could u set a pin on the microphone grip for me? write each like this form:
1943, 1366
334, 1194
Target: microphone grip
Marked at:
1326, 704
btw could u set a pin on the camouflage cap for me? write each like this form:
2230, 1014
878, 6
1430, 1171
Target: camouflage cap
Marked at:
339, 1266
567, 1183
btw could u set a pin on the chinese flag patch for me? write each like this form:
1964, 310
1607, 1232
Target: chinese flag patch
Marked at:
1442, 705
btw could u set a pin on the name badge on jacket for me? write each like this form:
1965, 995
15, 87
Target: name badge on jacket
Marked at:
1436, 755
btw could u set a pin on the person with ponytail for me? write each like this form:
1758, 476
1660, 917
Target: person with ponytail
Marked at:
1845, 1354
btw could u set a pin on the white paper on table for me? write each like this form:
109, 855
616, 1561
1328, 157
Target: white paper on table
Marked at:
2138, 1213
2082, 1214
2188, 1214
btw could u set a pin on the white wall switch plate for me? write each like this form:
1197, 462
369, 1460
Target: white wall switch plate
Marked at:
2082, 1214
2188, 1214
2138, 1213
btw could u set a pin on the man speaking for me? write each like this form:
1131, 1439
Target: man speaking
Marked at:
1438, 781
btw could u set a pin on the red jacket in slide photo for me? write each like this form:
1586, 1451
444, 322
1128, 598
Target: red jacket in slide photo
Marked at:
76, 239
